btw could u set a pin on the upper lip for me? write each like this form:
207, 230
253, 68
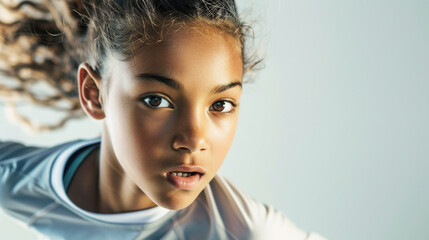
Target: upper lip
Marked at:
185, 168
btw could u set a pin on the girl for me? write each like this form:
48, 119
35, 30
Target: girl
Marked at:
164, 78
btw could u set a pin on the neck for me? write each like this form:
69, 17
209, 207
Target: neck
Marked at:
82, 188
117, 192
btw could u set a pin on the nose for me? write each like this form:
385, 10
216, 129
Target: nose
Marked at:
190, 134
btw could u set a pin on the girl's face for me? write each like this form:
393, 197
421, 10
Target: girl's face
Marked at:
172, 110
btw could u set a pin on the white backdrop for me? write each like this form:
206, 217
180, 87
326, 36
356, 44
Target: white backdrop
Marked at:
335, 131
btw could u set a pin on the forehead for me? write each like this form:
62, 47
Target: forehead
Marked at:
191, 54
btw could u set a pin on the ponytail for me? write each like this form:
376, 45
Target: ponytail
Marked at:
38, 57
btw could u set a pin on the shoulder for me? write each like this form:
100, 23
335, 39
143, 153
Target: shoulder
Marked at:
16, 153
242, 216
10, 150
24, 176
17, 158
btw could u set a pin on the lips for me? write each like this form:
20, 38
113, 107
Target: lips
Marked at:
185, 177
188, 169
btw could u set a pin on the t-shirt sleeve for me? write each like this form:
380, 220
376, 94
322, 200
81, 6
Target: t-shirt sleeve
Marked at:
11, 153
10, 150
265, 221
273, 224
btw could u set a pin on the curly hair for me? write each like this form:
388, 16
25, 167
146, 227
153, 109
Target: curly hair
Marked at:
42, 42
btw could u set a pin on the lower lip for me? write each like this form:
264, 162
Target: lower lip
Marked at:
184, 183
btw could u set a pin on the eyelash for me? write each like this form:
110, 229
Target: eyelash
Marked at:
146, 100
232, 107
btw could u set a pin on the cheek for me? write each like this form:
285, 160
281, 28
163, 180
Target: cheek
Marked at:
221, 137
137, 136
149, 131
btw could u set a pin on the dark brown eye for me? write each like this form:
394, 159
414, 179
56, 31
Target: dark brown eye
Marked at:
218, 106
221, 106
156, 102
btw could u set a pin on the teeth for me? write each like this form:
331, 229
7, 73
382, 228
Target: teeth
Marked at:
181, 174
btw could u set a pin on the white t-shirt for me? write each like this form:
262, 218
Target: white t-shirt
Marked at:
32, 190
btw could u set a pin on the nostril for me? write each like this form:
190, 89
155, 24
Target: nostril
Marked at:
184, 149
188, 144
190, 150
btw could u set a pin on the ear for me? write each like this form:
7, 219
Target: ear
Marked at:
89, 83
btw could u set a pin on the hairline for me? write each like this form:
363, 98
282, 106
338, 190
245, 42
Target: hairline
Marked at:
199, 25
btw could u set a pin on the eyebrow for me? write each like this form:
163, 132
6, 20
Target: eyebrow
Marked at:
165, 80
176, 85
224, 87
